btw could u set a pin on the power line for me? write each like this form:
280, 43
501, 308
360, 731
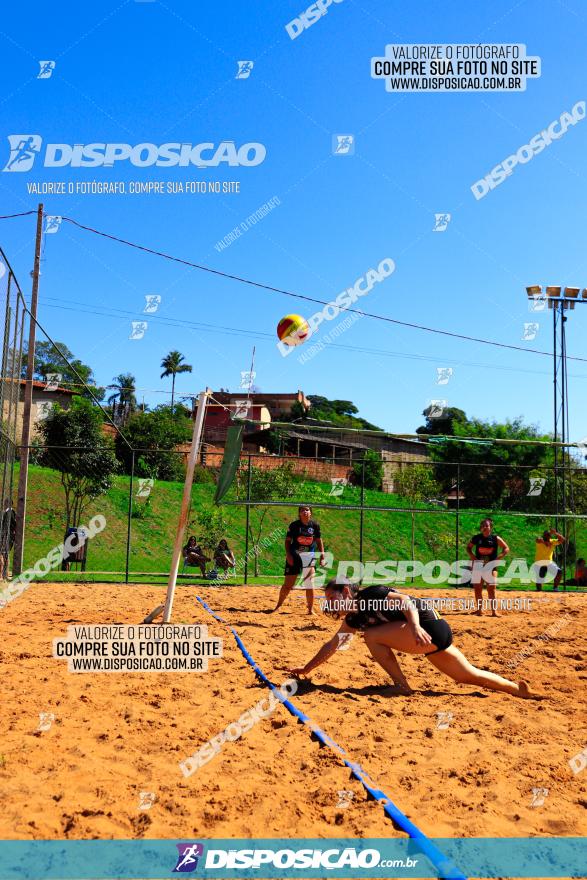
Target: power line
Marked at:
300, 296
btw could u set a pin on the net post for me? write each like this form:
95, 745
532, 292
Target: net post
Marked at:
185, 503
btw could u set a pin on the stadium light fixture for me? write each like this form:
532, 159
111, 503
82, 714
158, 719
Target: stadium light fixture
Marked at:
553, 291
534, 290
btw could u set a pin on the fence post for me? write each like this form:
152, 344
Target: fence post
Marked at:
457, 529
128, 525
247, 522
362, 515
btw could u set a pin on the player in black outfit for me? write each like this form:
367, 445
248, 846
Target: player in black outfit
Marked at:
301, 542
487, 548
392, 621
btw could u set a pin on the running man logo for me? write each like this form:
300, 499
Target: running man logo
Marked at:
539, 795
443, 375
244, 69
145, 486
187, 860
247, 379
537, 484
338, 486
138, 329
146, 800
345, 797
530, 331
441, 222
343, 144
24, 149
44, 407
46, 719
436, 408
2, 269
537, 303
242, 409
444, 719
46, 71
153, 301
52, 381
52, 224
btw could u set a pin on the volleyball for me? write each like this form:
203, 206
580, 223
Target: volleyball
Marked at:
293, 330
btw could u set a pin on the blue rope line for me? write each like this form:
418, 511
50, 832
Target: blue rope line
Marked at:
445, 867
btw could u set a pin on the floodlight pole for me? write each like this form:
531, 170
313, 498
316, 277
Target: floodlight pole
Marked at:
25, 441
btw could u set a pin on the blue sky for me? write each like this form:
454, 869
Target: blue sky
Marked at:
165, 71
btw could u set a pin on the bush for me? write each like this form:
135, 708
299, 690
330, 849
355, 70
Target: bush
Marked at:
373, 473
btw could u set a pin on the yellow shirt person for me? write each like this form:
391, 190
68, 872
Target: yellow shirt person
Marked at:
545, 547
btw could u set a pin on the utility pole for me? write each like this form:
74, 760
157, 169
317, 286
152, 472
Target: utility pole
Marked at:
27, 407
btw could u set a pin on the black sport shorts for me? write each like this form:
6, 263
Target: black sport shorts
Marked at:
298, 566
440, 633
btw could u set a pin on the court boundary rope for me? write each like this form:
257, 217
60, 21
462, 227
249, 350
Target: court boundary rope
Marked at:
444, 866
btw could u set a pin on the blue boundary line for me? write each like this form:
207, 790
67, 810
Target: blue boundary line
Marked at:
445, 867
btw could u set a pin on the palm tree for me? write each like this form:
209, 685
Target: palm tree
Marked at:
124, 393
172, 365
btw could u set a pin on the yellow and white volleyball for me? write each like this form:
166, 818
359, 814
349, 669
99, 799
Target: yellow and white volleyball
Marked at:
293, 330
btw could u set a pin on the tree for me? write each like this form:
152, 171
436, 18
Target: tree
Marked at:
81, 452
58, 359
489, 472
416, 483
155, 435
276, 484
369, 475
211, 526
342, 413
172, 365
123, 401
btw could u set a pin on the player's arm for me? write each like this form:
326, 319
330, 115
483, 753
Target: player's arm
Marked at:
288, 555
409, 610
326, 651
504, 548
470, 546
558, 535
320, 545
